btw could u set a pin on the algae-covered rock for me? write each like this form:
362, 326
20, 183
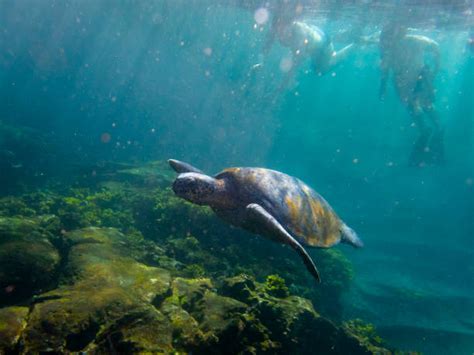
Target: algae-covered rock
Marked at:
365, 334
276, 286
202, 320
12, 324
289, 324
101, 286
185, 329
28, 259
108, 301
141, 330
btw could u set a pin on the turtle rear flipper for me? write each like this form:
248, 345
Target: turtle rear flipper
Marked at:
182, 167
267, 223
350, 237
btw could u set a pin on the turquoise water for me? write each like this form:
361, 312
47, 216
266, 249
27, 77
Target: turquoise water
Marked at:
139, 81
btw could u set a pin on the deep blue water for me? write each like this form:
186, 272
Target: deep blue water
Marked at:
177, 79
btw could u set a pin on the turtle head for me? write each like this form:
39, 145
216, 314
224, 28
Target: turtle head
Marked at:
196, 188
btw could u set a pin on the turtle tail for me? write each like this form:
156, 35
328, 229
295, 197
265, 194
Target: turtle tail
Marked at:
350, 237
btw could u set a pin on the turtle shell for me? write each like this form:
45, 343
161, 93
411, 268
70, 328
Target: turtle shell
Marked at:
302, 211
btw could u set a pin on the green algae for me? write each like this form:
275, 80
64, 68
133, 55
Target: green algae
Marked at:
366, 332
101, 284
13, 321
108, 301
275, 286
194, 271
28, 259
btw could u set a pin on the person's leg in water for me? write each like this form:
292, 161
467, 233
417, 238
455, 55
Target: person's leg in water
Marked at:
420, 152
435, 144
426, 98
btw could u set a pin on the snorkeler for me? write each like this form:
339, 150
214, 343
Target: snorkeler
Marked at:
304, 40
414, 62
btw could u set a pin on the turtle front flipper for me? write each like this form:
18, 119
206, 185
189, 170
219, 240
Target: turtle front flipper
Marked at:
182, 167
268, 224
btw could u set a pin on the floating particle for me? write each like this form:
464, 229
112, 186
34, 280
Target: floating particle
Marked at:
261, 16
10, 288
207, 51
105, 137
157, 19
355, 161
469, 181
286, 64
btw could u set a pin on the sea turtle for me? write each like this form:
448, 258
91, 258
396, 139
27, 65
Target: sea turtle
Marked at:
269, 203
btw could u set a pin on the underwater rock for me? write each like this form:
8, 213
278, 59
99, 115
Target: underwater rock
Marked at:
108, 301
12, 324
276, 286
101, 287
241, 287
366, 334
28, 259
141, 330
289, 324
199, 316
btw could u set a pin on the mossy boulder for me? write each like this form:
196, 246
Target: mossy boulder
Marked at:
28, 259
102, 288
109, 301
12, 323
275, 286
289, 324
366, 334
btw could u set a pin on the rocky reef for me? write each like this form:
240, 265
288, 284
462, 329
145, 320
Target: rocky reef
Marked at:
123, 266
